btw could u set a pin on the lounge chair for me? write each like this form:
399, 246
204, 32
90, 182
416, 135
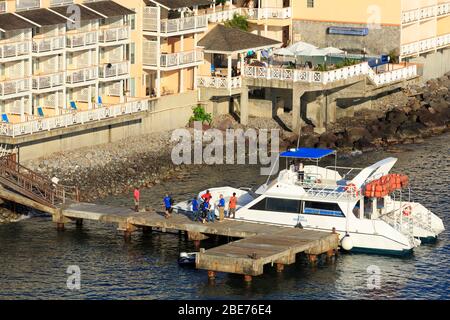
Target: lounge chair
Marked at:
73, 105
5, 118
40, 112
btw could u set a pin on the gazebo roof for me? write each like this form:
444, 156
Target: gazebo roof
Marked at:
227, 40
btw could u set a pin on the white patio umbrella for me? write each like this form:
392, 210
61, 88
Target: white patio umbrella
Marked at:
310, 52
284, 52
333, 50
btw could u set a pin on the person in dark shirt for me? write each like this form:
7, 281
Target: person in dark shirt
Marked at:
195, 209
168, 205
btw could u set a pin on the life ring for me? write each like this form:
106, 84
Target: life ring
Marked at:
407, 210
351, 188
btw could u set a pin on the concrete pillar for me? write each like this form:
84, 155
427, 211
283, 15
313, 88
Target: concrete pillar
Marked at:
79, 222
60, 226
181, 86
230, 62
247, 278
312, 258
244, 105
297, 121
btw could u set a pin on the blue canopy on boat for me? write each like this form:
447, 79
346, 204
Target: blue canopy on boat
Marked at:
307, 153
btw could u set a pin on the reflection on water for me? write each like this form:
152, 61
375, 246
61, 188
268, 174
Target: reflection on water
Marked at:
34, 257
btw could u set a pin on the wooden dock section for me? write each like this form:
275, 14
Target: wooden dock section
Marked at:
261, 244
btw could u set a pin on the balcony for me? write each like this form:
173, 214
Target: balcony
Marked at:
426, 45
52, 45
114, 36
219, 82
425, 13
114, 71
14, 88
225, 15
80, 41
54, 3
13, 50
172, 61
81, 77
27, 4
173, 27
48, 82
269, 13
74, 119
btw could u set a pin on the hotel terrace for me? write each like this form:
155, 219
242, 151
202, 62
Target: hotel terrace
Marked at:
157, 58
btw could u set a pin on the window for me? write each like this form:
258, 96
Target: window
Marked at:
310, 3
132, 21
278, 205
132, 53
323, 209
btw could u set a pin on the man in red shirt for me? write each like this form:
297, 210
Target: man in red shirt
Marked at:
206, 196
232, 206
137, 196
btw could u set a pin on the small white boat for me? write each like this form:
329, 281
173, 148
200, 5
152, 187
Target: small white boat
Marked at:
337, 198
187, 258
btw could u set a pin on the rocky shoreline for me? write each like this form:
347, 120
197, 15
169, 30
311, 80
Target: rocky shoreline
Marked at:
116, 168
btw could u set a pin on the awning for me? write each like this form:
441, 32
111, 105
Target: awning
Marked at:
85, 13
108, 8
307, 153
9, 22
178, 4
43, 17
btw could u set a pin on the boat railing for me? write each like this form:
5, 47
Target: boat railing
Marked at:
330, 192
350, 170
400, 222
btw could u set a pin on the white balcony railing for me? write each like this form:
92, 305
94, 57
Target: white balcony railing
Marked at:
48, 81
405, 73
54, 3
114, 35
184, 24
75, 118
426, 45
27, 4
11, 87
219, 82
44, 45
225, 15
169, 26
269, 13
181, 58
322, 77
425, 13
80, 40
15, 49
114, 70
2, 6
81, 75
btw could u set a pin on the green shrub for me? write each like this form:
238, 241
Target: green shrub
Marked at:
238, 22
201, 115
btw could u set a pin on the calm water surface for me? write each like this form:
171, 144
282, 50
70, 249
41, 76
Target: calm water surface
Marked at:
34, 257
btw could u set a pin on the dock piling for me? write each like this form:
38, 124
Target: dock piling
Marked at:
79, 222
312, 258
211, 275
248, 278
60, 226
280, 267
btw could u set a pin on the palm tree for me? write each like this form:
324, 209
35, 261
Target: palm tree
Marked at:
238, 22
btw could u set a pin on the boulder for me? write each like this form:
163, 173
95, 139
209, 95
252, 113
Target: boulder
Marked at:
356, 133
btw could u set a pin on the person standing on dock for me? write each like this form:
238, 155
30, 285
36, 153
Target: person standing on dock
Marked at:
137, 196
195, 209
207, 196
221, 206
232, 206
168, 205
205, 211
210, 212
